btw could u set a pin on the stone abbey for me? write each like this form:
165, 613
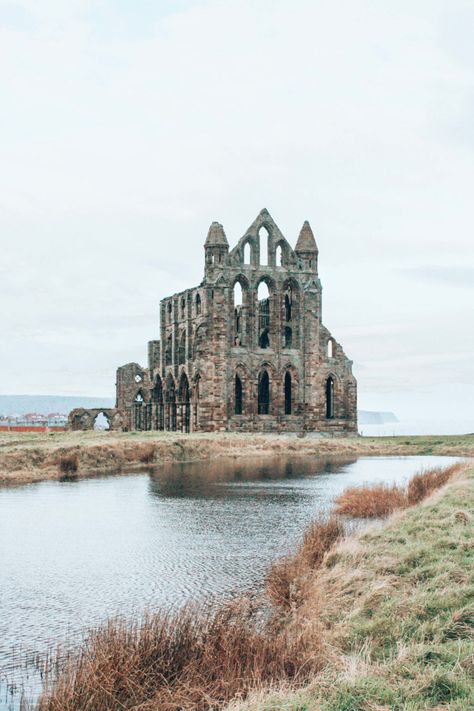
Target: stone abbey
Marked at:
245, 351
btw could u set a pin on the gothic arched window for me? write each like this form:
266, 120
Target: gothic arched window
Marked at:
288, 394
263, 242
330, 398
238, 409
182, 349
279, 256
169, 350
263, 315
288, 304
247, 253
263, 393
238, 314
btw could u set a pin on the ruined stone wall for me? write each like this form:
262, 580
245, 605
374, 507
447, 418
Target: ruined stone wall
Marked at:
85, 419
266, 365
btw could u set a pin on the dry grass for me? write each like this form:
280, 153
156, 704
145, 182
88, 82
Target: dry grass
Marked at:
377, 501
380, 500
146, 453
425, 483
285, 581
193, 660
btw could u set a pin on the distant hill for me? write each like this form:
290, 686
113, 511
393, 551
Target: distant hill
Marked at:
366, 417
45, 404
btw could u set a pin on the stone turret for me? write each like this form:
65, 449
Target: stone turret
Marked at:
216, 236
233, 358
216, 246
307, 249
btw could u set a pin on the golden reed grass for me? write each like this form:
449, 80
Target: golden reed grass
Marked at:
190, 660
380, 500
286, 579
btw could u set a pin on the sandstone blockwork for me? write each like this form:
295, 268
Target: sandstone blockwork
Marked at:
246, 351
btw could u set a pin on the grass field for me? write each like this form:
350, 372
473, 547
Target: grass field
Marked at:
35, 457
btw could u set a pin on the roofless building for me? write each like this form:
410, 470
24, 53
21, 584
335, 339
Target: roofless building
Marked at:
245, 351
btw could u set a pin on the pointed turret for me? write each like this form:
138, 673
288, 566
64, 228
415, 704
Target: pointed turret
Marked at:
216, 235
306, 241
307, 249
216, 246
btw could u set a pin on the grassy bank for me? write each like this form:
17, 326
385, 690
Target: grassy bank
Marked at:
382, 620
34, 457
397, 609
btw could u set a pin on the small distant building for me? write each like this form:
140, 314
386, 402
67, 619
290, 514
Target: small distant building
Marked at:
33, 422
245, 351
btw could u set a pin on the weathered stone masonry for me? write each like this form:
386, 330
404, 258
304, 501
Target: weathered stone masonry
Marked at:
244, 351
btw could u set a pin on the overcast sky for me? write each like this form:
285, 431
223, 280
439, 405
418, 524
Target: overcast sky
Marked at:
127, 126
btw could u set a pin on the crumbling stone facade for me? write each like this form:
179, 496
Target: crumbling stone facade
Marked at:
245, 351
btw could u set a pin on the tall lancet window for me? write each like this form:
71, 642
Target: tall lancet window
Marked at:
263, 394
238, 396
263, 315
330, 398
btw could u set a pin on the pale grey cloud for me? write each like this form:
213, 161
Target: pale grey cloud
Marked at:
127, 128
451, 275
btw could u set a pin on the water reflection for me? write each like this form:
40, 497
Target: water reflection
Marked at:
206, 479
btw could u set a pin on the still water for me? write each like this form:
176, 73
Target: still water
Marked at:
73, 554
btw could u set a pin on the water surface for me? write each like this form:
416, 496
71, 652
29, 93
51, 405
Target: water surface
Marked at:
73, 554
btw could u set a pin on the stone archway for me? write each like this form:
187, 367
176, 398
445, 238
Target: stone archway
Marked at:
83, 419
101, 422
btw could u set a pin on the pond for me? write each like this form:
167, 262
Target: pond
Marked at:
73, 554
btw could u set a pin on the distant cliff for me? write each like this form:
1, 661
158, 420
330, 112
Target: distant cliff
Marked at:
366, 417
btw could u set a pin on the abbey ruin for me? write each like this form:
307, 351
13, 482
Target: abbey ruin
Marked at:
245, 351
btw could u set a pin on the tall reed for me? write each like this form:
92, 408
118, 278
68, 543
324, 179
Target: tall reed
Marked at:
190, 660
380, 500
285, 580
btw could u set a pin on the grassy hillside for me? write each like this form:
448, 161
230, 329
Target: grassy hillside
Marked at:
43, 404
